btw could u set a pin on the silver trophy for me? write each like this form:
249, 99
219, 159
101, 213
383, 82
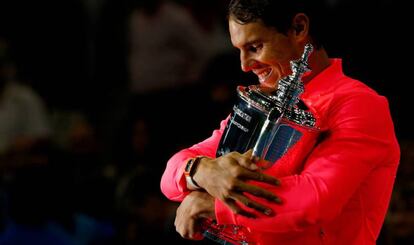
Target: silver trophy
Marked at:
269, 121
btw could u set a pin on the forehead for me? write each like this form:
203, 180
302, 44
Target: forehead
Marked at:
241, 34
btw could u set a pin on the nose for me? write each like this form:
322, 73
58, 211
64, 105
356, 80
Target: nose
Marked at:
245, 62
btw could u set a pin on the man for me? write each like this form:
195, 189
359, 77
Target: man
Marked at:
340, 192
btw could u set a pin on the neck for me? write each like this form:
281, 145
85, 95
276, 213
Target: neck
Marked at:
318, 61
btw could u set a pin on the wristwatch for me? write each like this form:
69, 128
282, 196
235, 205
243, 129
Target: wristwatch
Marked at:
189, 171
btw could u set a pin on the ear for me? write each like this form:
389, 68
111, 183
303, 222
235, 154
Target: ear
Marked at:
300, 27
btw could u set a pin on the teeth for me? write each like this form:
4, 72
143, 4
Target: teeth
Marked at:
264, 75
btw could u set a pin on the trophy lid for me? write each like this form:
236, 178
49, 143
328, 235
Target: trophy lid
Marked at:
258, 96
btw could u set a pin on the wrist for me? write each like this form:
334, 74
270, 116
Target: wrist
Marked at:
198, 172
189, 172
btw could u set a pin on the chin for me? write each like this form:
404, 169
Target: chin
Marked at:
266, 85
269, 84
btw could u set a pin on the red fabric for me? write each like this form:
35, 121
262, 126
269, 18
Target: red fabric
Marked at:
339, 193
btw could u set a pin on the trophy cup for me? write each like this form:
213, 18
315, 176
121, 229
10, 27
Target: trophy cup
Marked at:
266, 120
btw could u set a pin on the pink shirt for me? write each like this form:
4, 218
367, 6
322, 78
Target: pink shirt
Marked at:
339, 193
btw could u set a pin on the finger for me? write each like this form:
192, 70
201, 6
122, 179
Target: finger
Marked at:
259, 192
179, 229
198, 234
260, 177
193, 232
236, 209
252, 204
189, 230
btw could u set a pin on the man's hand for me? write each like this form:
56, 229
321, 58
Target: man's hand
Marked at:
195, 207
225, 178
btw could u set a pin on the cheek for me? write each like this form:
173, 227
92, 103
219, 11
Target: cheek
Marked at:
282, 64
280, 70
276, 57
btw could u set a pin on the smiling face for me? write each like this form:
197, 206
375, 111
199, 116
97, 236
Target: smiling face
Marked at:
264, 51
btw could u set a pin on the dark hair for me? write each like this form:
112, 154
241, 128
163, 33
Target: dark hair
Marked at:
279, 14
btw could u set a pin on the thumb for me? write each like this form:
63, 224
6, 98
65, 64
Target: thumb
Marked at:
248, 153
248, 163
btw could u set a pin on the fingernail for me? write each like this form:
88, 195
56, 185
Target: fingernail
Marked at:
277, 199
254, 167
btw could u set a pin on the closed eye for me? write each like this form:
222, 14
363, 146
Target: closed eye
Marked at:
255, 48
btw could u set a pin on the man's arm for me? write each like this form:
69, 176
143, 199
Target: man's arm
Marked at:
195, 207
223, 178
173, 183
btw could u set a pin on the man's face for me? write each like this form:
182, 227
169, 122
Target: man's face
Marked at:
264, 51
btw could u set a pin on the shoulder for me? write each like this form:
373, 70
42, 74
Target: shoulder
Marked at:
355, 106
344, 99
354, 92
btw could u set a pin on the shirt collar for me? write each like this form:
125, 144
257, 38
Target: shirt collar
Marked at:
324, 80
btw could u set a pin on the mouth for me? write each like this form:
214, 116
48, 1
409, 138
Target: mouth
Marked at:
263, 74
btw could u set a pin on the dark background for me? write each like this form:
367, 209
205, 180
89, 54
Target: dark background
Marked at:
75, 58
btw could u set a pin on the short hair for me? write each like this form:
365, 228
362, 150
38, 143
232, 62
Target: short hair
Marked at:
279, 14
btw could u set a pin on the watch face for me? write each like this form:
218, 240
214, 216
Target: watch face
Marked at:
188, 166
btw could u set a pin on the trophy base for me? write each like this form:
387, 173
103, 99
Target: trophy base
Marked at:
227, 234
219, 240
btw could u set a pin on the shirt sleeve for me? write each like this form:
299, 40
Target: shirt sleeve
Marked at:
360, 138
173, 184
